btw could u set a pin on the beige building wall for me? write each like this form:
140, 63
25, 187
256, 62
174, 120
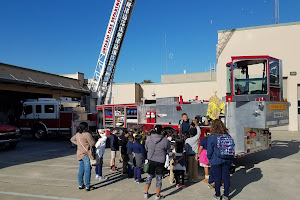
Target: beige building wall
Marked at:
124, 93
280, 41
133, 92
179, 78
188, 90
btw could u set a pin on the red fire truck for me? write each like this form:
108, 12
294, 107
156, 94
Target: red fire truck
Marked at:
254, 103
45, 116
145, 116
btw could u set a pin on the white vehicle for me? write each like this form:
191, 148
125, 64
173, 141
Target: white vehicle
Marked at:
45, 116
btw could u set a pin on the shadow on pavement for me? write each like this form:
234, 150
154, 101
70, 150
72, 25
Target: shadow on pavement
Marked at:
249, 173
29, 150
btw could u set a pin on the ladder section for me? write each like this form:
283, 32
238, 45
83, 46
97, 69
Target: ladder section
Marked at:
111, 47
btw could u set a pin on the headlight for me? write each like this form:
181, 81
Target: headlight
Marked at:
18, 131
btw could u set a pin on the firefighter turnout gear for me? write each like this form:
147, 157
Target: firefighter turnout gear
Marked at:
215, 107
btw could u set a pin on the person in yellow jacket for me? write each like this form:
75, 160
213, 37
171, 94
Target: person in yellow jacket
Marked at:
215, 107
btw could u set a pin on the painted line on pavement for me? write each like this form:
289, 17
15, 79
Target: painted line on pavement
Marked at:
36, 196
44, 165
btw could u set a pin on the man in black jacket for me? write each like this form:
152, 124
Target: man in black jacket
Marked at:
114, 147
123, 140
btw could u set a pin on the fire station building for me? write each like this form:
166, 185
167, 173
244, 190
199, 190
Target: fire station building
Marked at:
280, 41
18, 84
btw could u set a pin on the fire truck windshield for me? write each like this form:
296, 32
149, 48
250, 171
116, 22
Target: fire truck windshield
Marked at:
250, 77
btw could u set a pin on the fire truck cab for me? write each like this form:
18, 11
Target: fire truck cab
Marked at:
45, 116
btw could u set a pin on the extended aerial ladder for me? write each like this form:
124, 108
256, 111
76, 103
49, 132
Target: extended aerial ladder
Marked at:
111, 47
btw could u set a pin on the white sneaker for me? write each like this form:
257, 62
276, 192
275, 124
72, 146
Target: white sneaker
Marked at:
146, 196
135, 180
96, 177
102, 178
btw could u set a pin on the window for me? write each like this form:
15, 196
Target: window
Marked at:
27, 109
38, 109
250, 77
228, 79
49, 108
274, 72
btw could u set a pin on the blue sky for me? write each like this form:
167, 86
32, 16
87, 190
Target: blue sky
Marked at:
65, 36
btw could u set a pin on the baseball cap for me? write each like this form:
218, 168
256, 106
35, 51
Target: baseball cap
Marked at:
112, 129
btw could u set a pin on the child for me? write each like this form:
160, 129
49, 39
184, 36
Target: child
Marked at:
203, 160
100, 149
179, 162
139, 158
130, 156
114, 145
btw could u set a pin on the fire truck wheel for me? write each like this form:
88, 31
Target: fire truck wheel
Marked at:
39, 133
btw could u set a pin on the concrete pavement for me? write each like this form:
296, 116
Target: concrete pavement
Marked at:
48, 170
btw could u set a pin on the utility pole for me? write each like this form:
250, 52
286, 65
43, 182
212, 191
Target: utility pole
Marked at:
166, 53
276, 11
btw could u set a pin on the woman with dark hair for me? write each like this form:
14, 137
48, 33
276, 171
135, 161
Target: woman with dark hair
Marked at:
85, 142
220, 152
179, 168
157, 147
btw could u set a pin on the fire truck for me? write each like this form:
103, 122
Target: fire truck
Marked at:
254, 104
46, 116
254, 98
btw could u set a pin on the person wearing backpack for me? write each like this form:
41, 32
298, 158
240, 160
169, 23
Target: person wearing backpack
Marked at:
220, 152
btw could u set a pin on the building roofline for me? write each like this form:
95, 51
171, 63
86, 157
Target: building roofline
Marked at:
165, 83
263, 26
188, 73
44, 85
38, 71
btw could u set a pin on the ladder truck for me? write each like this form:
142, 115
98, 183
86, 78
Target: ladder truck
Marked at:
46, 116
254, 100
110, 51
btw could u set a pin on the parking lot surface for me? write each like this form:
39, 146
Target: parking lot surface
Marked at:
48, 170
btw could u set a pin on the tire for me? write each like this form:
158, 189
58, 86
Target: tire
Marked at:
39, 133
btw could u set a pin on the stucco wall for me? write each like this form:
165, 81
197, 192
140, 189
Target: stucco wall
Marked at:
188, 90
279, 41
179, 78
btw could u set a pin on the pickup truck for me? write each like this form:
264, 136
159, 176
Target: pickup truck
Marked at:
9, 135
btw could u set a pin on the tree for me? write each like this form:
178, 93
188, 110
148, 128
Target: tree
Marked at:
147, 81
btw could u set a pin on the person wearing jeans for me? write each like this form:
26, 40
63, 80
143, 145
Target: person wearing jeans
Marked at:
220, 166
85, 142
100, 150
84, 169
222, 172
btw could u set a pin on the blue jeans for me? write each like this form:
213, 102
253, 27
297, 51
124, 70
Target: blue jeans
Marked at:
98, 169
222, 172
138, 174
84, 169
130, 171
211, 175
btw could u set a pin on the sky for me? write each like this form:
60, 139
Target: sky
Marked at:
65, 36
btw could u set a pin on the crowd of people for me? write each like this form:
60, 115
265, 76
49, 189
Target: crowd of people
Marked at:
159, 153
